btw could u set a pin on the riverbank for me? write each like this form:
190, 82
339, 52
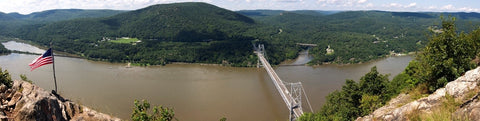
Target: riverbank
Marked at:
25, 101
35, 49
196, 87
370, 61
302, 59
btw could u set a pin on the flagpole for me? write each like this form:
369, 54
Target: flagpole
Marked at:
53, 59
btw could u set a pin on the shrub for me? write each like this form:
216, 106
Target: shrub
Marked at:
160, 113
5, 78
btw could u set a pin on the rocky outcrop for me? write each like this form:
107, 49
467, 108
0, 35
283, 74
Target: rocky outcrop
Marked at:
464, 89
25, 101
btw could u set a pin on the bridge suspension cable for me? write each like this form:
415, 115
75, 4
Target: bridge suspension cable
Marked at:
293, 99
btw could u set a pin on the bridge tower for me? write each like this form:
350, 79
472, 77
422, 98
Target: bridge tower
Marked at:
297, 92
260, 49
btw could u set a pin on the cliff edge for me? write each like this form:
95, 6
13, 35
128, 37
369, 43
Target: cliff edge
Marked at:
463, 91
25, 101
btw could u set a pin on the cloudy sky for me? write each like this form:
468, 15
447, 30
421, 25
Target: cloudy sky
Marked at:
29, 6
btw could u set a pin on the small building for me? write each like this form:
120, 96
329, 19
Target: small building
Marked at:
329, 50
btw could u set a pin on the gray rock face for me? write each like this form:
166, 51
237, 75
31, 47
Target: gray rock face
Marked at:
26, 101
458, 89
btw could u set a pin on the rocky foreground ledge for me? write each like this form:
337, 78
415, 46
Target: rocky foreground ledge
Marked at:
25, 101
464, 90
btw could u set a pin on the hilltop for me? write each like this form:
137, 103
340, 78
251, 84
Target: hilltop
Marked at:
179, 32
63, 14
11, 23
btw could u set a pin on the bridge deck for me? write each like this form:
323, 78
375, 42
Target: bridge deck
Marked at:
282, 89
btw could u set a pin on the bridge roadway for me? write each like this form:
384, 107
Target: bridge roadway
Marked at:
282, 89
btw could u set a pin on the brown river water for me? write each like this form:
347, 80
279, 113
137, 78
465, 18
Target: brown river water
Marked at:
196, 92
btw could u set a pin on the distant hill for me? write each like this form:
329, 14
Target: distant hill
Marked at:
179, 32
11, 22
166, 22
264, 13
5, 17
180, 22
350, 32
65, 14
200, 32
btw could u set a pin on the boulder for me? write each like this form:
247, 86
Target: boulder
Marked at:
16, 97
3, 88
459, 89
30, 102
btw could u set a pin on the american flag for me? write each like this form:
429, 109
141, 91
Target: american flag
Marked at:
44, 59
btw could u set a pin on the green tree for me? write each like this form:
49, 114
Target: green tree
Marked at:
223, 119
369, 103
355, 99
447, 56
5, 78
160, 113
24, 78
374, 83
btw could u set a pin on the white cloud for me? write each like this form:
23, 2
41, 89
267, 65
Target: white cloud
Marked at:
369, 5
411, 5
431, 7
467, 9
292, 1
448, 7
29, 6
451, 8
362, 1
341, 3
396, 5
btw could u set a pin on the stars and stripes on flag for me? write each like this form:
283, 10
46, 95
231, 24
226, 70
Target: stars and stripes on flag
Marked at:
44, 59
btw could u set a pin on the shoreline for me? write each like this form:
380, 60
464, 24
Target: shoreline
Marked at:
370, 61
283, 63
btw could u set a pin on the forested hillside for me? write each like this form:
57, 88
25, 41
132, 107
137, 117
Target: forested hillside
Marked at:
12, 22
355, 36
181, 32
204, 33
448, 55
64, 14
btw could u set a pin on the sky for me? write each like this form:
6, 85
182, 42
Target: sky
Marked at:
29, 6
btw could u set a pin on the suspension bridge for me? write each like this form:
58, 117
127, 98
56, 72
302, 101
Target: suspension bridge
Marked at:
292, 98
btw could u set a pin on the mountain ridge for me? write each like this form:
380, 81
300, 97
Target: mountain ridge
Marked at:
65, 14
191, 26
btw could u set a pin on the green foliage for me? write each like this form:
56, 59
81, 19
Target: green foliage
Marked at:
369, 103
179, 32
65, 14
447, 56
4, 50
374, 83
160, 113
355, 99
223, 119
5, 78
185, 25
24, 78
308, 116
